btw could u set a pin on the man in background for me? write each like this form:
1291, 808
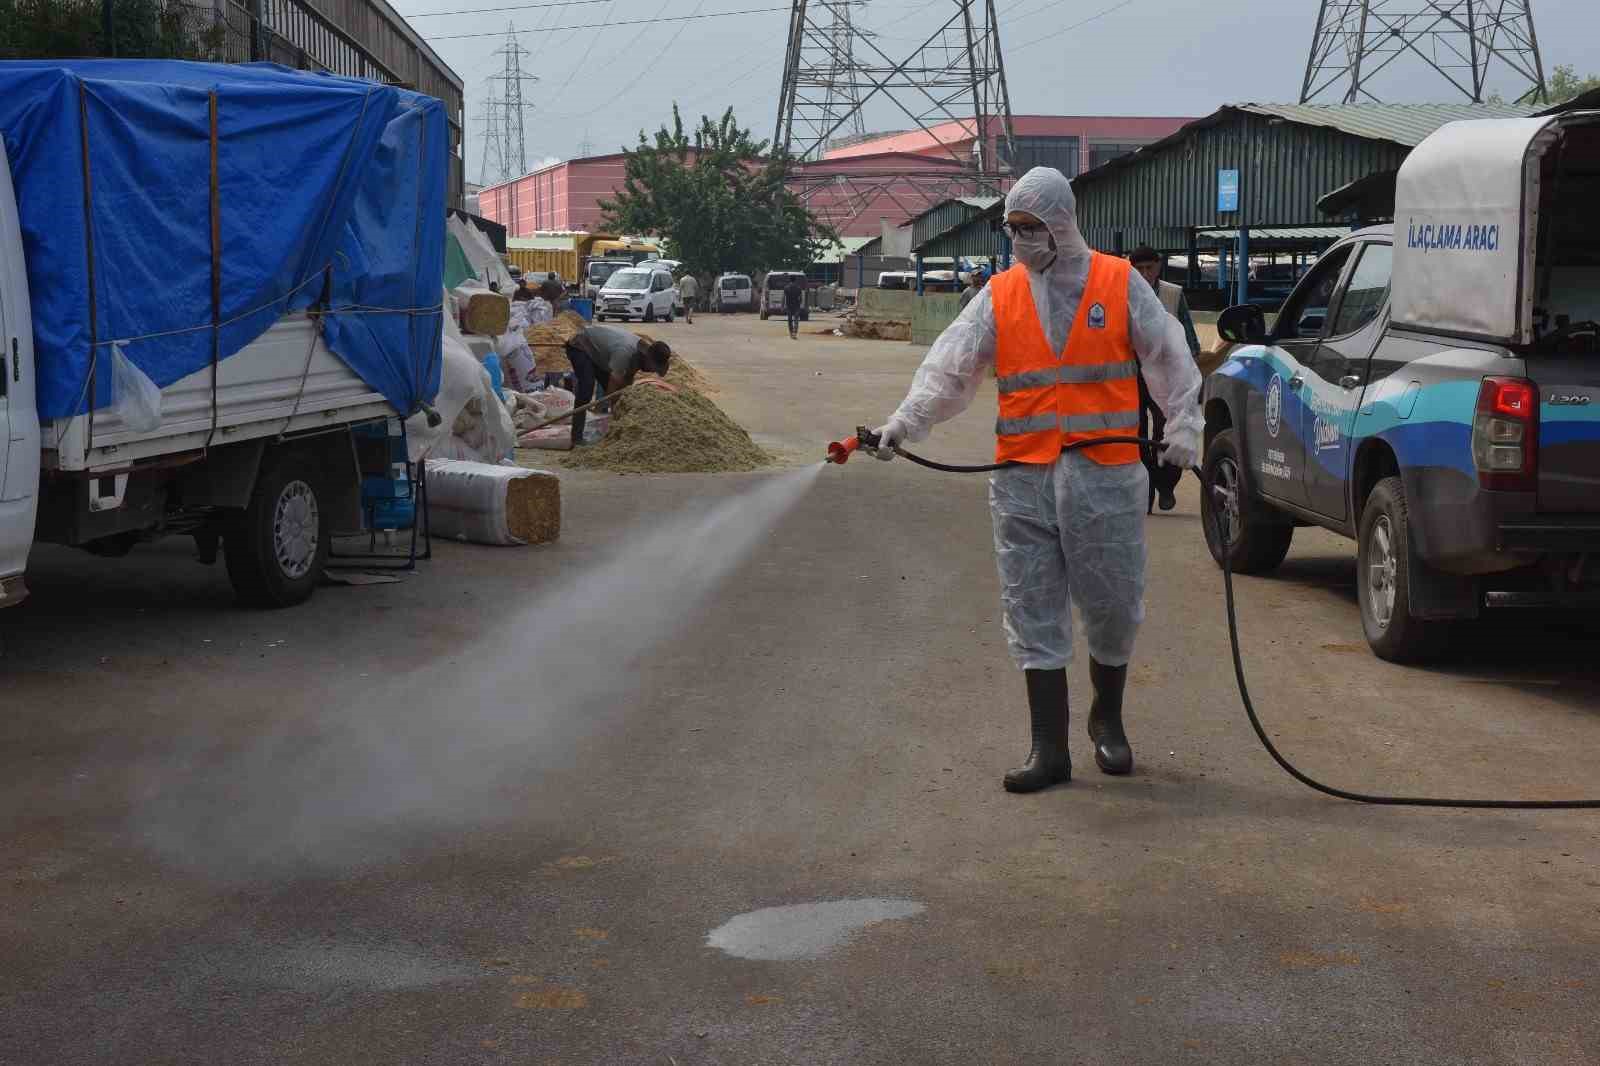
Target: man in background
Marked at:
975, 283
689, 289
610, 357
1152, 424
794, 298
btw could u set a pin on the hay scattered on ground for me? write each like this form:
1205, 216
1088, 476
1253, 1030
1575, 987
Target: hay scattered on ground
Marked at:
872, 329
654, 431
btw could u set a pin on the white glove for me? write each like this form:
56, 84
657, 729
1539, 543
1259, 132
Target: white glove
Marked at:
1183, 447
891, 435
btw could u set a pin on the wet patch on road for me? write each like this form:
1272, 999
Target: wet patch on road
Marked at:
805, 930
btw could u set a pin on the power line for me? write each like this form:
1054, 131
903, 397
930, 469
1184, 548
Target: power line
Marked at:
1075, 25
609, 25
518, 7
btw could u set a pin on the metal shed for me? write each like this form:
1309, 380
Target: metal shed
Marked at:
1250, 167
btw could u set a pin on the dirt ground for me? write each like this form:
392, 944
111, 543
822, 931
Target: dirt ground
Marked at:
830, 724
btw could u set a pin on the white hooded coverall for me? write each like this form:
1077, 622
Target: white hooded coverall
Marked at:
1071, 531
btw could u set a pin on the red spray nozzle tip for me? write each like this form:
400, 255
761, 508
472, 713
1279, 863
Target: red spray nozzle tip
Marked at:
839, 451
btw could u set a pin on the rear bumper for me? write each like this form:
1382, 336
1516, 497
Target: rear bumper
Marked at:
1464, 529
1561, 534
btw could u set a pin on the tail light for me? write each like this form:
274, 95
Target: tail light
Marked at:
1505, 435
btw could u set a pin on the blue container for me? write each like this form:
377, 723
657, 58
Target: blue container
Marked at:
583, 306
392, 514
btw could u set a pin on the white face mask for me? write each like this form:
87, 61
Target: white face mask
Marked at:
1036, 251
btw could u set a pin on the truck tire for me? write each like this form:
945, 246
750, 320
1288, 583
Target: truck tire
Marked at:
1383, 580
277, 546
1257, 540
649, 314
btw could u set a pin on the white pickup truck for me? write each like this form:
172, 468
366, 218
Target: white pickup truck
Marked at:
257, 452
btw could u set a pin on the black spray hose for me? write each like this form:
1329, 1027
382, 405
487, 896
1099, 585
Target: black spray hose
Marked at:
1222, 505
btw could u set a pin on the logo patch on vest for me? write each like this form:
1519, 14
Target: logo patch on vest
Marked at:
1097, 316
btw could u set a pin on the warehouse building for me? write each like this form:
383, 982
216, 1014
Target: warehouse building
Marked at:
1278, 181
1247, 180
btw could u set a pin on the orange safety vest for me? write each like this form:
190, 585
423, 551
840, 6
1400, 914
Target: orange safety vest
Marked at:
1091, 390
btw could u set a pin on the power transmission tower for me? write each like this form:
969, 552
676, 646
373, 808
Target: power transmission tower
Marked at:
494, 169
505, 142
951, 87
1355, 40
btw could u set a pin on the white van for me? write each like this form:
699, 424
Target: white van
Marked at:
645, 293
732, 292
772, 287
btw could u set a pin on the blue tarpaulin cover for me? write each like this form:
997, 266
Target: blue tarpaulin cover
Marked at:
329, 191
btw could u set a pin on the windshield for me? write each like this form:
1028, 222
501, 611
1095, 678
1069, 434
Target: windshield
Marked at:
629, 279
778, 281
602, 271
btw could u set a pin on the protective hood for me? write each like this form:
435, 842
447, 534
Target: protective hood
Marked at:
1045, 193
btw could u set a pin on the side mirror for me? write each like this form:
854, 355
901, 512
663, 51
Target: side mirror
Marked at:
1242, 324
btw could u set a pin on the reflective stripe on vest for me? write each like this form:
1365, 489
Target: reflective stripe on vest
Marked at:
1068, 375
1121, 420
1088, 389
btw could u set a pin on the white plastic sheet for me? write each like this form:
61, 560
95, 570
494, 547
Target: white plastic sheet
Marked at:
135, 399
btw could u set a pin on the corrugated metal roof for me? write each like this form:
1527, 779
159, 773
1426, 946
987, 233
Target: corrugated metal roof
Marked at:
847, 246
982, 203
1405, 124
1402, 124
1281, 233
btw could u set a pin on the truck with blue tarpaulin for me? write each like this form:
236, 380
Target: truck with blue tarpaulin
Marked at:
212, 274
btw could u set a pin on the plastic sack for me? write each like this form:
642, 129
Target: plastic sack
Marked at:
135, 399
469, 501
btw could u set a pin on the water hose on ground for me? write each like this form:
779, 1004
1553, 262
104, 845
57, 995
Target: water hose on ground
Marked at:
1226, 506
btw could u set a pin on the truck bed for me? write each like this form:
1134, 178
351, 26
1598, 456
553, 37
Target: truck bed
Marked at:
286, 381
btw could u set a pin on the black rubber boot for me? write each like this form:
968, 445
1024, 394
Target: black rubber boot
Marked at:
1048, 761
1111, 751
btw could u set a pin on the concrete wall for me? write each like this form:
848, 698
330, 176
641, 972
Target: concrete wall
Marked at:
885, 305
931, 313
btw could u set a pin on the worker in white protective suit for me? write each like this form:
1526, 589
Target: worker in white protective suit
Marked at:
1068, 331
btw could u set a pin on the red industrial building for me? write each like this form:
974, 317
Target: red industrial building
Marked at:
562, 196
892, 176
1070, 143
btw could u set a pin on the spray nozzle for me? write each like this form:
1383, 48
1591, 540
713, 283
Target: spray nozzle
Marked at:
839, 450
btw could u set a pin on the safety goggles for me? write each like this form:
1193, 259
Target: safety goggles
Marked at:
1022, 229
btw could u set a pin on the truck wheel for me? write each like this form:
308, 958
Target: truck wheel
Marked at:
276, 548
1383, 580
649, 314
1257, 540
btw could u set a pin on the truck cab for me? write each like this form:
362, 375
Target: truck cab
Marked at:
19, 419
1431, 390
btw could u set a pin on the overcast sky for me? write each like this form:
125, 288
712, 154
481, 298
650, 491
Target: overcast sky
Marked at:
599, 86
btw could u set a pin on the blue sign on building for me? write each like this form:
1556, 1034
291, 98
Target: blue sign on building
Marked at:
1227, 190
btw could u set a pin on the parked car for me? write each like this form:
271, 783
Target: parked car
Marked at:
732, 292
1432, 393
645, 293
772, 287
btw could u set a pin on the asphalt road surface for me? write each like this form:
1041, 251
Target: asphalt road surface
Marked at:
828, 725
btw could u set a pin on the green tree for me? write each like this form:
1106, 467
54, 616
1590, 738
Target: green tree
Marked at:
68, 29
717, 199
1565, 83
